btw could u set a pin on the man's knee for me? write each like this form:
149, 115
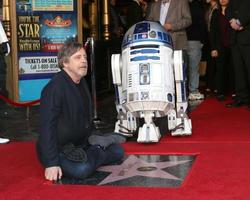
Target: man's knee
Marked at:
117, 151
77, 170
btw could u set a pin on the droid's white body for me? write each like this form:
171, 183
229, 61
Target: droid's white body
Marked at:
149, 83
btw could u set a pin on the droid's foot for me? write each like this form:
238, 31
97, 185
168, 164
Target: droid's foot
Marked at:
180, 133
183, 129
149, 133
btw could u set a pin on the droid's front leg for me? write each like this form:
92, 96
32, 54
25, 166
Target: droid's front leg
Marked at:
179, 124
149, 131
178, 121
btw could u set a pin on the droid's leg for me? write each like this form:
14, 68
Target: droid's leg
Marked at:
149, 131
178, 121
126, 123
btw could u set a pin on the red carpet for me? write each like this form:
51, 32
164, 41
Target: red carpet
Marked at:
221, 138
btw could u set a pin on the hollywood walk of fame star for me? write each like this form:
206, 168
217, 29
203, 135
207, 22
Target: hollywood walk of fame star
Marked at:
134, 166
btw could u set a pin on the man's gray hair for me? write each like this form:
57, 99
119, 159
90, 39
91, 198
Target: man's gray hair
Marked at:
66, 51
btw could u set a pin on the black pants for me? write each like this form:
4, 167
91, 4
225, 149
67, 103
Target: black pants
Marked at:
241, 60
210, 73
224, 75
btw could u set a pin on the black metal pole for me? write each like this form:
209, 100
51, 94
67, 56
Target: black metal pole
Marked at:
93, 78
96, 120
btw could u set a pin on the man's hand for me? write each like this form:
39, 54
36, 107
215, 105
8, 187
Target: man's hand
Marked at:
168, 26
53, 173
214, 54
234, 25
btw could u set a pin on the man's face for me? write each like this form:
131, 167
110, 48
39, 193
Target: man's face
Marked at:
77, 65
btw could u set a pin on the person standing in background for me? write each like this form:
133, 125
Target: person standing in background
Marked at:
136, 10
220, 53
238, 14
212, 26
175, 16
116, 27
197, 35
224, 68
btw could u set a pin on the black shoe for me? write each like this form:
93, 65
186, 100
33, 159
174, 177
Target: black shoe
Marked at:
235, 104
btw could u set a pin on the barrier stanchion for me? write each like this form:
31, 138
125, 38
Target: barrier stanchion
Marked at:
96, 120
93, 79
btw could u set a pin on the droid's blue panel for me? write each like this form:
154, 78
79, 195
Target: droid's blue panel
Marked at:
142, 28
145, 46
126, 43
145, 51
140, 58
170, 97
165, 37
160, 35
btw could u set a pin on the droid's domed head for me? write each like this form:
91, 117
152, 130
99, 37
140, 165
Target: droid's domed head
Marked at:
148, 32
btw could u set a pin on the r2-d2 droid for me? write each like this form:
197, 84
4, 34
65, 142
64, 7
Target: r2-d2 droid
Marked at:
149, 83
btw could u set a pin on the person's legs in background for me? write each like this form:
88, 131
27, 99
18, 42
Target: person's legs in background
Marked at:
229, 68
194, 53
245, 49
240, 59
220, 76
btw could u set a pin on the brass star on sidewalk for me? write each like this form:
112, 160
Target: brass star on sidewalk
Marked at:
134, 166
